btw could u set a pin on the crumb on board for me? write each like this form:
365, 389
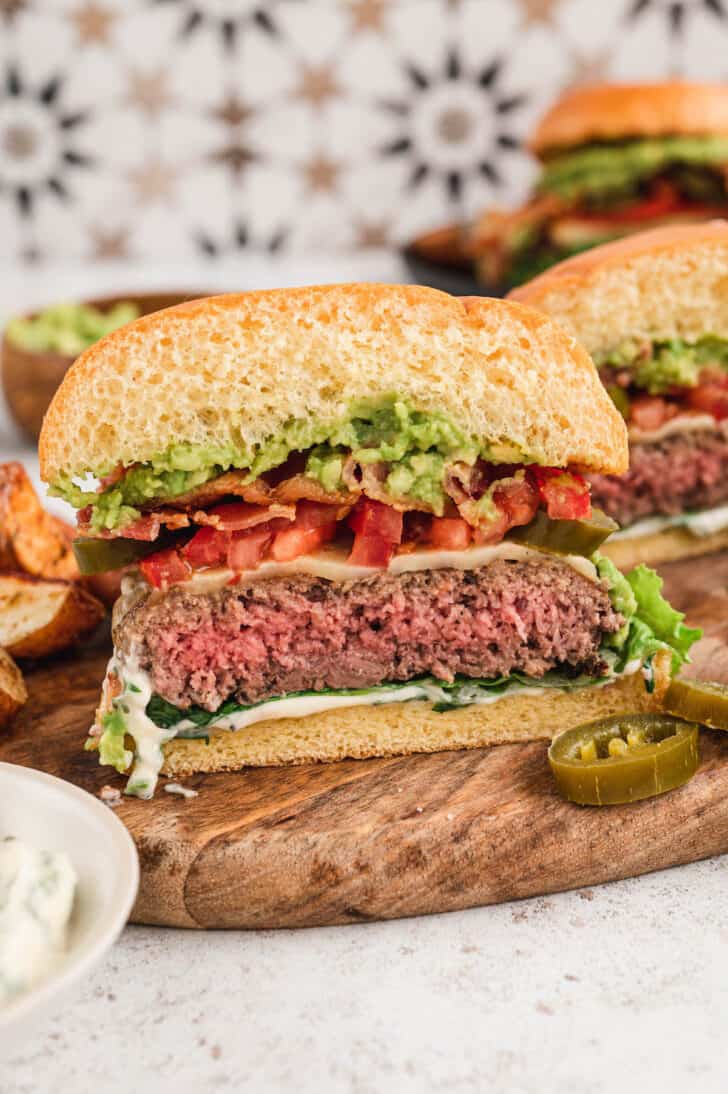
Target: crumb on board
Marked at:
110, 795
183, 791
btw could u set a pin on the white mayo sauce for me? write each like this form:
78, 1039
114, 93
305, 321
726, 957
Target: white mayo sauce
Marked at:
36, 899
704, 523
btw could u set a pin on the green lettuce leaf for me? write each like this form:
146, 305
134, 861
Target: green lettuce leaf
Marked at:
651, 623
657, 624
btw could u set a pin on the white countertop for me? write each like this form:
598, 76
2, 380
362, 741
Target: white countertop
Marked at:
621, 988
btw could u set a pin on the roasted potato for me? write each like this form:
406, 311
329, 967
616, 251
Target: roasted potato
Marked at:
30, 538
12, 688
40, 616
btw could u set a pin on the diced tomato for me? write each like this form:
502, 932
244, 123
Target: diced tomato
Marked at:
295, 541
374, 518
378, 530
208, 547
314, 514
246, 549
564, 493
492, 531
450, 533
371, 551
649, 412
165, 568
662, 200
238, 515
519, 499
710, 396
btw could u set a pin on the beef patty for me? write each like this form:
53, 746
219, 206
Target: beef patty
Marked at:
682, 472
269, 637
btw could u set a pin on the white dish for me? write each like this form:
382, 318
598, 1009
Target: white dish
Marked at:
57, 816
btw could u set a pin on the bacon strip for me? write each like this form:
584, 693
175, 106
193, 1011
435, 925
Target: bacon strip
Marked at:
298, 487
149, 526
369, 479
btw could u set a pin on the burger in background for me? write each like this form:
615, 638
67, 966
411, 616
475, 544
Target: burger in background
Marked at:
616, 159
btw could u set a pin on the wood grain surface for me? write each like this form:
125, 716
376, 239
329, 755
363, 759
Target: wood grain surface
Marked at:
377, 839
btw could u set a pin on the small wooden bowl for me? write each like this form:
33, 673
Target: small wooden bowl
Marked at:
30, 377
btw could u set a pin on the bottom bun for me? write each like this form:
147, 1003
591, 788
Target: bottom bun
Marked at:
667, 546
398, 729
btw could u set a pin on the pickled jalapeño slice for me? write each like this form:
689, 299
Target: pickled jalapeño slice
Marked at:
96, 556
624, 758
701, 701
565, 537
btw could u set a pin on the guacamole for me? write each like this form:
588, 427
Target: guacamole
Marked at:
69, 328
663, 365
416, 445
615, 171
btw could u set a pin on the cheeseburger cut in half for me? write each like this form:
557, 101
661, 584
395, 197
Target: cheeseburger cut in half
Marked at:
616, 159
355, 527
653, 313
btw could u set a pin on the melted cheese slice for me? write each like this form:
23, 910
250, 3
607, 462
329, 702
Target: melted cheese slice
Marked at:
704, 523
683, 423
330, 563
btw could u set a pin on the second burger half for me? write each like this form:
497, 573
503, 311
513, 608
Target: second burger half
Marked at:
360, 526
652, 311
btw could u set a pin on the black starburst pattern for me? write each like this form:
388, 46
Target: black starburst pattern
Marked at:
229, 23
240, 239
38, 149
677, 12
441, 127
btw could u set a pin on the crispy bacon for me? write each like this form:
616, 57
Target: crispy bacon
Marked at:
369, 479
239, 516
149, 526
112, 478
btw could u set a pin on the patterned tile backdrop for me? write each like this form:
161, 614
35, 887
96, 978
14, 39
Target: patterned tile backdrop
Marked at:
174, 128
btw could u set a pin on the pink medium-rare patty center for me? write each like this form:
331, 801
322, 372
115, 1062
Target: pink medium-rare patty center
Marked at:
270, 637
684, 471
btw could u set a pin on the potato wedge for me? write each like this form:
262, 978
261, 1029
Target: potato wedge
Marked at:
13, 693
30, 538
39, 616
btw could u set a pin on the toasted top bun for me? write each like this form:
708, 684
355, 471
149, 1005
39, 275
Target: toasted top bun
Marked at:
666, 283
234, 369
607, 112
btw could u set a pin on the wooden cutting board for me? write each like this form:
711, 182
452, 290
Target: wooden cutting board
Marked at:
377, 839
